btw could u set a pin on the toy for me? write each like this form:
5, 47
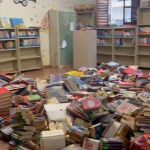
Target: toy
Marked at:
23, 2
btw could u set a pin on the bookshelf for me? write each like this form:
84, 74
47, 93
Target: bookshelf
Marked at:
143, 38
117, 44
29, 49
8, 51
124, 45
19, 49
104, 44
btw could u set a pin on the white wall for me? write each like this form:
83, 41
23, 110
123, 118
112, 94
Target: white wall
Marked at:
34, 13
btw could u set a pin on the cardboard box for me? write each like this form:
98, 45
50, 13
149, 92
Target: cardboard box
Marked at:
52, 140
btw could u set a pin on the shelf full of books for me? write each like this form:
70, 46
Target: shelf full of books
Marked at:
29, 49
143, 38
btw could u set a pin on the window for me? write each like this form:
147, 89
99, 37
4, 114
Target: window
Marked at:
120, 12
116, 12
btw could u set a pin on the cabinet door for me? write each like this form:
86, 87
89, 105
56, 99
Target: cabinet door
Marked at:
66, 21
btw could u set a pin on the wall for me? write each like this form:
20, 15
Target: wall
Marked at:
35, 15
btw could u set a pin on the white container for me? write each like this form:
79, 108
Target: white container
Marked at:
53, 140
56, 112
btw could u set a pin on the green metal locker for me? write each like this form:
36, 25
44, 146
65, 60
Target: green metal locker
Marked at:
62, 24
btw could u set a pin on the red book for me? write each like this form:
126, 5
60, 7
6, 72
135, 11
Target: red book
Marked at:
4, 92
90, 104
126, 84
130, 71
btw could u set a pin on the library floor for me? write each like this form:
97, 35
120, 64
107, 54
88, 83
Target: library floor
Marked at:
43, 74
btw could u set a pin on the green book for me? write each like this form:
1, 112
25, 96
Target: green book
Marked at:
32, 98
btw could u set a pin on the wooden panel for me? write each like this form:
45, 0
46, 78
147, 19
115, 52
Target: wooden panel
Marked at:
30, 64
30, 51
125, 60
104, 50
144, 14
84, 51
125, 50
54, 38
144, 61
8, 66
104, 58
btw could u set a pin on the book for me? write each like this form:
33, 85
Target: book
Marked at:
4, 92
73, 147
16, 22
96, 130
57, 92
90, 104
5, 22
32, 98
111, 130
91, 144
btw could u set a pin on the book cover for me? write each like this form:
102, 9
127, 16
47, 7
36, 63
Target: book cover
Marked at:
5, 22
32, 98
90, 104
4, 92
90, 144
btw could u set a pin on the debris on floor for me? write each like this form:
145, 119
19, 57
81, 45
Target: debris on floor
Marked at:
107, 108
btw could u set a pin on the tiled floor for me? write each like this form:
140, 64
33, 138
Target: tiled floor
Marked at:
44, 74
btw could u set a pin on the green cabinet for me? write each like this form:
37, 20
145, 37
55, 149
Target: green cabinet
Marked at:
62, 24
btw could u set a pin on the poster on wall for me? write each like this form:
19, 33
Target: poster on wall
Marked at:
23, 2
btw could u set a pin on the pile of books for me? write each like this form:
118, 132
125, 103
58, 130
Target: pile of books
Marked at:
104, 33
7, 45
143, 120
5, 102
28, 33
7, 34
144, 40
124, 33
87, 109
30, 42
77, 134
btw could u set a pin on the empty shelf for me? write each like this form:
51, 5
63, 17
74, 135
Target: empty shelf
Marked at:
30, 57
7, 59
147, 45
129, 55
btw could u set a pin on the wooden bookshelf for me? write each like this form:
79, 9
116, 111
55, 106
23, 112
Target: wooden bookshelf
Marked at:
15, 56
8, 50
143, 38
29, 49
104, 44
122, 51
124, 45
